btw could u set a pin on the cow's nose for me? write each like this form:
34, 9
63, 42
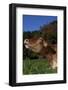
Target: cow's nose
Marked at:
25, 43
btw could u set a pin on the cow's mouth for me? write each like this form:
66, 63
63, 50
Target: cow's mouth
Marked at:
26, 45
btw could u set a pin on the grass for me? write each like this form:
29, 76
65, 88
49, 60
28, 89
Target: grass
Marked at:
37, 67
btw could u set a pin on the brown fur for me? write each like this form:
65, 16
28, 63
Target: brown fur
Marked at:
40, 46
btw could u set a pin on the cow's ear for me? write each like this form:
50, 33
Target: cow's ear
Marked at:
45, 44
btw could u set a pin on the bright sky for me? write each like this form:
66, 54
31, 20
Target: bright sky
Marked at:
33, 22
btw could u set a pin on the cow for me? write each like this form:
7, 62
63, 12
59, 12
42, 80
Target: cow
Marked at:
43, 48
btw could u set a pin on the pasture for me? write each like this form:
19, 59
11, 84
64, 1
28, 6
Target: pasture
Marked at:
37, 66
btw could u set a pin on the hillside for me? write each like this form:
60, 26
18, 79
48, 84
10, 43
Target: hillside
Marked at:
49, 32
50, 28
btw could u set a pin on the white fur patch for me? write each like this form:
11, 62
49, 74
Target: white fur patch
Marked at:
26, 46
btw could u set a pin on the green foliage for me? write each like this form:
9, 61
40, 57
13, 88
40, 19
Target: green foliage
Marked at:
37, 66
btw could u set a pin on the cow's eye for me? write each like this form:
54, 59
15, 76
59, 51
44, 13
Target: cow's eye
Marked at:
27, 40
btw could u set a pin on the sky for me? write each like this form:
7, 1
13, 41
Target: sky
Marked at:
33, 22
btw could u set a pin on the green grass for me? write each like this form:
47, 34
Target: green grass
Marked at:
37, 67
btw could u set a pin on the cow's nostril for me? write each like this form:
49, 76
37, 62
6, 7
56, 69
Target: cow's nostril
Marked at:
25, 43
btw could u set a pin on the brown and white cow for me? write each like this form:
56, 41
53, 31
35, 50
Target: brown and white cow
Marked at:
41, 47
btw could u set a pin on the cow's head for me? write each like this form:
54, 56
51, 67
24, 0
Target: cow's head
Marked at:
35, 44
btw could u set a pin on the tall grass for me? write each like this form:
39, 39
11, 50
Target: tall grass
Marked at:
37, 67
